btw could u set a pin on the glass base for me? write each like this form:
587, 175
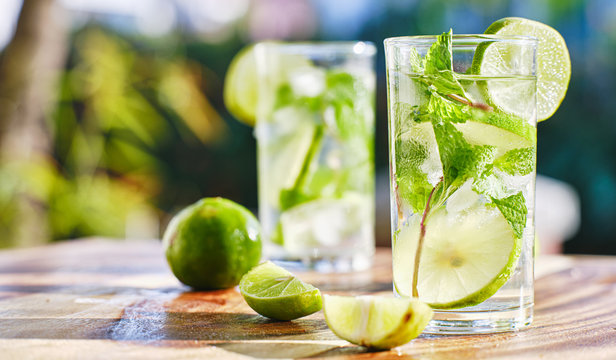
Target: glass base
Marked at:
456, 322
358, 262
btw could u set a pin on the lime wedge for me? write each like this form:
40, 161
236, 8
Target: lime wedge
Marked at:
277, 294
468, 254
241, 88
553, 65
374, 321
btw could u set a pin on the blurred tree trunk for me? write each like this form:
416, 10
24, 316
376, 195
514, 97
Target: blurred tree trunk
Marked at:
28, 70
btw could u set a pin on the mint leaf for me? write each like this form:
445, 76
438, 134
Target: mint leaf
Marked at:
346, 121
284, 96
517, 161
417, 63
514, 210
292, 197
407, 115
460, 159
340, 88
440, 54
439, 67
404, 113
448, 110
348, 98
412, 183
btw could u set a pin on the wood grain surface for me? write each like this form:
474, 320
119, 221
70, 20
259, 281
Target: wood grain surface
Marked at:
102, 299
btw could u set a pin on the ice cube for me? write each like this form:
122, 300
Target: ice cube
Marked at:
463, 198
307, 81
325, 224
431, 166
283, 122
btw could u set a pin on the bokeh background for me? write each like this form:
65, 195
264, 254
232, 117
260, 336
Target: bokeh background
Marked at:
112, 119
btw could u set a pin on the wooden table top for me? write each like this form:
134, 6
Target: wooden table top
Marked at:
109, 299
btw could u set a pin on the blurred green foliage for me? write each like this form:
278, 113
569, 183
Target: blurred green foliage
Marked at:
118, 110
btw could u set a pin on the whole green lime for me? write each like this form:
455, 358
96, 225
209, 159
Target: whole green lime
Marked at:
212, 243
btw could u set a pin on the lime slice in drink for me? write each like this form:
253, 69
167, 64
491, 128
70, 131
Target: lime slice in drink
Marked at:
277, 294
553, 65
375, 321
501, 130
468, 254
241, 88
286, 138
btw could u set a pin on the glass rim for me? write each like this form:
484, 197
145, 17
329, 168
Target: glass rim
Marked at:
359, 48
461, 39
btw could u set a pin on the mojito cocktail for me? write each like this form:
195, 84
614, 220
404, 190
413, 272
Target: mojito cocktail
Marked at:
315, 136
462, 135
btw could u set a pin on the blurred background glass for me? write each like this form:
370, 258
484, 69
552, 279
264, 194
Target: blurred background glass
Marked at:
111, 112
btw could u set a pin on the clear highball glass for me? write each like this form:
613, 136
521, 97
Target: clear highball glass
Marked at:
462, 140
315, 143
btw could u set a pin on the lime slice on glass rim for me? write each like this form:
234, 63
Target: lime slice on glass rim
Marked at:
375, 321
277, 294
553, 65
241, 87
467, 256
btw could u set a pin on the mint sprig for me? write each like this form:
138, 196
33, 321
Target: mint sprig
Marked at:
461, 161
439, 67
412, 184
340, 111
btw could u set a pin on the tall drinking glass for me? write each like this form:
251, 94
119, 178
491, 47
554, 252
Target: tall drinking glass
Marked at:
462, 135
315, 141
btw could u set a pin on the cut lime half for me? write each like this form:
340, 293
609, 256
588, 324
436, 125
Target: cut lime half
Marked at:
467, 255
277, 294
553, 65
375, 321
